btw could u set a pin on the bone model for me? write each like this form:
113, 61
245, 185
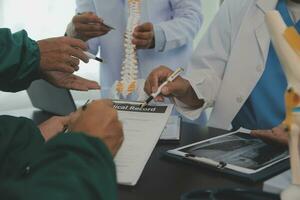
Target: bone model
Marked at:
286, 41
129, 72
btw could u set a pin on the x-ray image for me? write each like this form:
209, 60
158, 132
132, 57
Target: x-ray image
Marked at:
239, 149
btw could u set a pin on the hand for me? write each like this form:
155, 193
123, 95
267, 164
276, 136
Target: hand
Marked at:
277, 135
88, 25
179, 88
61, 54
69, 81
53, 126
143, 36
98, 119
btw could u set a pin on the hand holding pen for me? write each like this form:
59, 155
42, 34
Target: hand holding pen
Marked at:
169, 79
179, 88
86, 121
88, 25
92, 56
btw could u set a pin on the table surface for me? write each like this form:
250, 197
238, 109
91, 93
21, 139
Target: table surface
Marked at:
164, 179
167, 179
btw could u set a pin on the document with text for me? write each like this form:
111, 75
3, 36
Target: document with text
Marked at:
142, 129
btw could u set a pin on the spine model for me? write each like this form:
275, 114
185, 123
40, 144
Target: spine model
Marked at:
286, 41
129, 73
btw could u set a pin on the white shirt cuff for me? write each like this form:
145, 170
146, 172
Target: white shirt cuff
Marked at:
71, 30
201, 89
186, 111
160, 39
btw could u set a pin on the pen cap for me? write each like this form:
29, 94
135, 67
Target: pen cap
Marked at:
88, 54
175, 74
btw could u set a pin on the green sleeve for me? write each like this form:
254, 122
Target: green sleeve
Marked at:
19, 60
73, 162
70, 166
18, 138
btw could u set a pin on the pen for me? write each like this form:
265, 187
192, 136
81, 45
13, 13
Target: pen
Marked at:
85, 105
219, 165
66, 127
92, 56
107, 26
171, 78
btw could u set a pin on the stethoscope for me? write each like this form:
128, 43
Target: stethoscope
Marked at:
229, 194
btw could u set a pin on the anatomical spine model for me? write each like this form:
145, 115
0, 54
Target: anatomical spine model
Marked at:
129, 73
286, 41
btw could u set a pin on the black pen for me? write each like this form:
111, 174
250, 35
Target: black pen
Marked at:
171, 78
92, 56
66, 127
109, 27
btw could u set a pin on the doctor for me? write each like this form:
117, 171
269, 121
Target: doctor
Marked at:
235, 70
165, 36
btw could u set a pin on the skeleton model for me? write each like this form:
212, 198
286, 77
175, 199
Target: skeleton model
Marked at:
128, 83
286, 41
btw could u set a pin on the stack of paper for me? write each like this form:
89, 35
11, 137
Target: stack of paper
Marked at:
172, 129
142, 129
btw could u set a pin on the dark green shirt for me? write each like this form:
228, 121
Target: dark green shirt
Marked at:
70, 166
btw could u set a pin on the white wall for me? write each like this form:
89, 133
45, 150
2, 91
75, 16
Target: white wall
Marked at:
41, 18
48, 18
1, 13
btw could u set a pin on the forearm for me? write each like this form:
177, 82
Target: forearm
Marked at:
19, 137
190, 97
19, 63
209, 61
70, 166
200, 93
182, 28
67, 163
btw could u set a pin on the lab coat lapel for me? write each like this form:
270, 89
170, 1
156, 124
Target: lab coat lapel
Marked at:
245, 65
266, 5
261, 32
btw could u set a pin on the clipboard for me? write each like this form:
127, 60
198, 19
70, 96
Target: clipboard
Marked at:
236, 168
142, 128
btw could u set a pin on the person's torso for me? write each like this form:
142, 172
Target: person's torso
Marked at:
249, 48
115, 13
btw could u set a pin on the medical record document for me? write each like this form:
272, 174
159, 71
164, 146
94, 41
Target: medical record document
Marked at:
142, 129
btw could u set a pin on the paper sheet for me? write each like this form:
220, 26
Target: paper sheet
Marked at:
172, 129
142, 129
278, 183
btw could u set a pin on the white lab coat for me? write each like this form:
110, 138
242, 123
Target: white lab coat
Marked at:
176, 21
230, 60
